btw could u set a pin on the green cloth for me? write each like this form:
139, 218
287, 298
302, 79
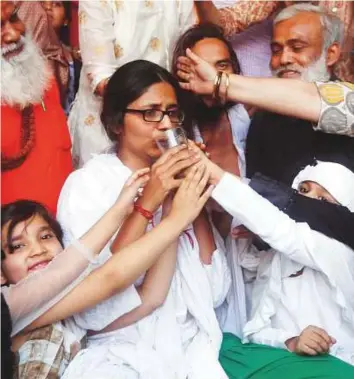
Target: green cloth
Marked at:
251, 361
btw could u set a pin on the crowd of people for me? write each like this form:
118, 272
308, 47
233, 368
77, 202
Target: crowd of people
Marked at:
230, 255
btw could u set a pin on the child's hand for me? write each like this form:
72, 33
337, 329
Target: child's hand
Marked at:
131, 189
215, 172
311, 341
190, 199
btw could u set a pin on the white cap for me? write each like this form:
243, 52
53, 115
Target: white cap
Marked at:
333, 177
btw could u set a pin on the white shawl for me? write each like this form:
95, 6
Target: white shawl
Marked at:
200, 287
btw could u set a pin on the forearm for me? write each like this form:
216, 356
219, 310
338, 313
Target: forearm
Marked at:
153, 291
289, 97
134, 227
271, 337
119, 272
157, 281
294, 240
204, 235
332, 220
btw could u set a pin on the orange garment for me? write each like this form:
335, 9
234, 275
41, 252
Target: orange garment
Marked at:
43, 173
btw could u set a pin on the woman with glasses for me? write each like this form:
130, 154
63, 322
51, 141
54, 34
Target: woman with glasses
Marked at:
112, 33
165, 325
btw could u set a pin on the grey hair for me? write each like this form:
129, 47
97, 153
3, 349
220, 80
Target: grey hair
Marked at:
333, 28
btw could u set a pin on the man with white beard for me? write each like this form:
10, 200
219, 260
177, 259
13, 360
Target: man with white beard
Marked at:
306, 44
35, 141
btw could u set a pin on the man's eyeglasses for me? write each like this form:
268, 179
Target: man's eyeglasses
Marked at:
176, 116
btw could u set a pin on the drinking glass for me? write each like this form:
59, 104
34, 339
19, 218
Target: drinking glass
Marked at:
171, 138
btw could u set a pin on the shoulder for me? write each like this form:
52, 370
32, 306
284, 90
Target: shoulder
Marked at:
102, 174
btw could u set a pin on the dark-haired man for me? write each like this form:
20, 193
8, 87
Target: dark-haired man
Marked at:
222, 128
224, 137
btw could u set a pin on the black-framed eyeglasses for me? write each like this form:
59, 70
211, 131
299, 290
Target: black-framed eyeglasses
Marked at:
176, 116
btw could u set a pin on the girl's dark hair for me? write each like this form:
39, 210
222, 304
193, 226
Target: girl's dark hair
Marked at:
64, 32
23, 210
197, 33
127, 84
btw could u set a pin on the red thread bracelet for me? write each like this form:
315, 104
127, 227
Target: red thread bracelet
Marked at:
144, 212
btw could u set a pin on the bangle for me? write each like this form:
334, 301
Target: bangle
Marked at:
144, 212
217, 82
226, 88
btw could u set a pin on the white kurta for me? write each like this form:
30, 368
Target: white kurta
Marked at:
283, 306
242, 256
180, 339
113, 33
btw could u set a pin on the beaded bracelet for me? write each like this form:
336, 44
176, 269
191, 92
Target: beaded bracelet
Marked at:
144, 212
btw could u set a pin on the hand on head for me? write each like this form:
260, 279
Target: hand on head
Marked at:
196, 74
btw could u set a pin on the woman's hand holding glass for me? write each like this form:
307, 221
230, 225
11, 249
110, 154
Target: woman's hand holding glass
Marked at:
163, 176
197, 75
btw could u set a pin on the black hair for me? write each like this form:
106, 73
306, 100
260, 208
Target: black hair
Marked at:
195, 108
197, 33
23, 210
127, 84
64, 32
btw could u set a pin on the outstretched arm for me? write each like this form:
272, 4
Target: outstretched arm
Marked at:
295, 241
332, 220
123, 269
38, 292
153, 291
296, 98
